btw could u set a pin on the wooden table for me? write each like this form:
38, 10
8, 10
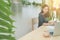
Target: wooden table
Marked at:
38, 35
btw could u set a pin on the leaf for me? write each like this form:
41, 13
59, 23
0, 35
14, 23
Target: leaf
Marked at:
9, 2
3, 23
5, 17
4, 30
9, 37
4, 4
5, 10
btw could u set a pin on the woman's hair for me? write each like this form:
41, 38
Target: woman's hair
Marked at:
47, 14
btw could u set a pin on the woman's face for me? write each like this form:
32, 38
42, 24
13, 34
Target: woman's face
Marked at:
45, 10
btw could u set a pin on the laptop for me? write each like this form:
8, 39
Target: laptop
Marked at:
57, 29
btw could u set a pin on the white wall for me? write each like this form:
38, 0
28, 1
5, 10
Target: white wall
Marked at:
23, 19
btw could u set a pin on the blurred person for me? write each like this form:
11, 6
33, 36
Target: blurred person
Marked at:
43, 15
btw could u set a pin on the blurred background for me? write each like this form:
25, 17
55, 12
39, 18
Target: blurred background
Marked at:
25, 10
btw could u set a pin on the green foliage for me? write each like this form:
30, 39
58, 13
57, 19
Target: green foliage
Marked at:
24, 2
6, 23
36, 4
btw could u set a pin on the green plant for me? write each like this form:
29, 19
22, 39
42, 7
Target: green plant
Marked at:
24, 2
6, 23
36, 4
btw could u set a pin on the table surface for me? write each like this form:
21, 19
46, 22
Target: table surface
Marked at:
38, 35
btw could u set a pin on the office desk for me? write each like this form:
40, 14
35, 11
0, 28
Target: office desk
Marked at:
37, 35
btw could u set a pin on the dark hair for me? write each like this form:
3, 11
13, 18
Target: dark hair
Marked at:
47, 14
